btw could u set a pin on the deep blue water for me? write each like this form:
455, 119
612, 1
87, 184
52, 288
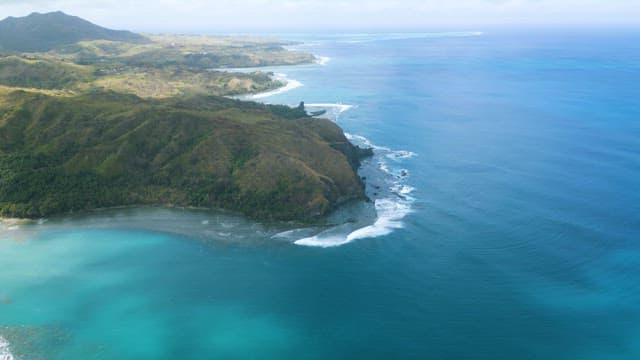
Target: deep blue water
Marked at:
522, 243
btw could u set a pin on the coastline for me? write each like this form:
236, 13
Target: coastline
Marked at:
289, 84
390, 207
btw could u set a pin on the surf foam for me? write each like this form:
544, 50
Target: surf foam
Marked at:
392, 198
322, 60
5, 351
390, 213
322, 241
333, 109
337, 106
391, 154
290, 85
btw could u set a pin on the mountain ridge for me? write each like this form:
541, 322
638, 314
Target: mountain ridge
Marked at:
40, 32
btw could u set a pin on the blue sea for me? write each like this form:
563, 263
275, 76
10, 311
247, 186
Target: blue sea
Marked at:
504, 222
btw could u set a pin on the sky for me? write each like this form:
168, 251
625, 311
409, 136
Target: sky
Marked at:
329, 15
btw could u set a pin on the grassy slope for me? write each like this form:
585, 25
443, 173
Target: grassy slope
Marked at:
173, 81
41, 73
67, 52
197, 52
102, 149
49, 73
162, 68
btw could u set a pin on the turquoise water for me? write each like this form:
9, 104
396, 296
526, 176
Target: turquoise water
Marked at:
506, 177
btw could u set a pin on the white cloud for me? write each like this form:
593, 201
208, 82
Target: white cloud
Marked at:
247, 15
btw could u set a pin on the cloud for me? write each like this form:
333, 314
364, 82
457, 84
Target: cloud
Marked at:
248, 15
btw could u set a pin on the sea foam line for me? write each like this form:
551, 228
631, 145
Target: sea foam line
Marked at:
388, 153
5, 351
390, 213
290, 85
391, 207
340, 108
322, 60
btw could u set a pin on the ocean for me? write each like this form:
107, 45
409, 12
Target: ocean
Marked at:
504, 222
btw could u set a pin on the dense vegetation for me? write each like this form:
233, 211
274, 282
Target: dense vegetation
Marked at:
44, 32
93, 118
103, 149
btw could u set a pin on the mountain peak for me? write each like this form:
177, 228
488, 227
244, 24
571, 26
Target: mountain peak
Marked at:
46, 31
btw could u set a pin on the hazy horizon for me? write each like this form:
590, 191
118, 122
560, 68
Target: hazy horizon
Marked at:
335, 15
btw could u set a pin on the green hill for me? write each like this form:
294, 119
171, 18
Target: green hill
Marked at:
46, 72
74, 137
43, 32
41, 73
105, 149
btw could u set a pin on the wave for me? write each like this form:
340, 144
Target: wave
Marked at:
397, 155
322, 241
332, 109
322, 60
390, 213
404, 192
290, 85
392, 197
5, 351
289, 235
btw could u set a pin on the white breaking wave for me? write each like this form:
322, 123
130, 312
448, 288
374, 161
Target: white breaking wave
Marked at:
287, 235
322, 241
390, 213
401, 154
403, 191
290, 85
5, 351
322, 60
391, 154
337, 108
392, 203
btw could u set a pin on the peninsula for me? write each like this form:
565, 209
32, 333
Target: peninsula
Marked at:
94, 118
